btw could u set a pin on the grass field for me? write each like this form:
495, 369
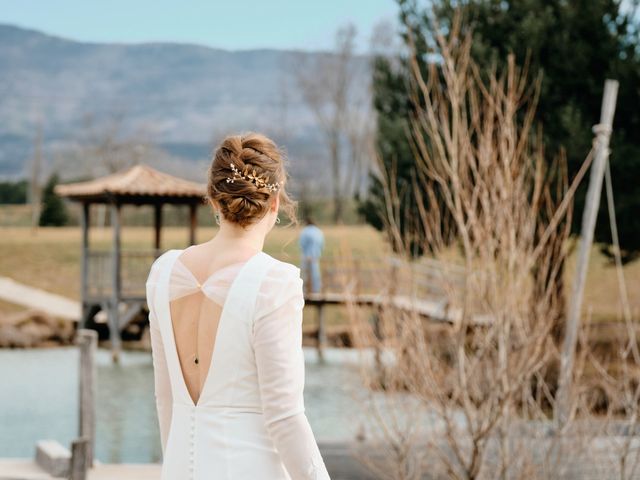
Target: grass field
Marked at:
49, 258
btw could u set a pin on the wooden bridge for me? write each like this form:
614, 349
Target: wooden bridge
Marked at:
421, 287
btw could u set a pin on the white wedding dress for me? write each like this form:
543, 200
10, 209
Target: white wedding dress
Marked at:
247, 420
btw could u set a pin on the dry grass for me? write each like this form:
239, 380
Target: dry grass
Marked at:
50, 259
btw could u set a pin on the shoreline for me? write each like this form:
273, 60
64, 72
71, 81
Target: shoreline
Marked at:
32, 329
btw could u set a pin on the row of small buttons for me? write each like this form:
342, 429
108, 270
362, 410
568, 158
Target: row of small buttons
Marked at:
192, 432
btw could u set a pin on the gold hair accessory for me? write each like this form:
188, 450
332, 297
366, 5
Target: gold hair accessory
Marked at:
258, 180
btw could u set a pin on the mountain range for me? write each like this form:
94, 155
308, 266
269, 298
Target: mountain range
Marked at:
178, 100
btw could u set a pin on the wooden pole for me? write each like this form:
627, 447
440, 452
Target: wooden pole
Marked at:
322, 334
157, 224
114, 314
88, 341
193, 222
79, 459
603, 132
377, 332
84, 263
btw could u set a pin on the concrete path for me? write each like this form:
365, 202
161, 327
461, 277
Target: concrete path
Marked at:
31, 297
340, 463
26, 469
597, 461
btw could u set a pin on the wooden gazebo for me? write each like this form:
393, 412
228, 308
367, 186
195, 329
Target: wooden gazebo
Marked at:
113, 280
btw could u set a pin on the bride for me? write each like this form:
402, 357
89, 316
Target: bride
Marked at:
226, 334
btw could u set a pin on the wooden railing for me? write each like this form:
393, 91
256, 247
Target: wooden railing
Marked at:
425, 278
134, 269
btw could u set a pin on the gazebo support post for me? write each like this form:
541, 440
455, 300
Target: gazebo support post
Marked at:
193, 222
114, 314
157, 224
84, 265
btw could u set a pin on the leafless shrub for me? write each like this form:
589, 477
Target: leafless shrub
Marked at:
482, 382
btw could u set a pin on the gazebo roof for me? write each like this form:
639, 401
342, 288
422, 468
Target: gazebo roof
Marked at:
137, 184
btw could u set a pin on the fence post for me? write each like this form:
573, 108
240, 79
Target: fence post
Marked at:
87, 340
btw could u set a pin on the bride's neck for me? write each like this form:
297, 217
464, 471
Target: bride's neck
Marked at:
251, 238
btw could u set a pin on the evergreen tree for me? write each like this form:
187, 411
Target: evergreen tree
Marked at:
391, 99
54, 211
13, 192
576, 45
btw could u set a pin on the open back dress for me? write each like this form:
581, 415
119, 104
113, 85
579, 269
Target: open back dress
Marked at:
229, 371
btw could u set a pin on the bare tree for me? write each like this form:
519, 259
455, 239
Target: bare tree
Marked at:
329, 84
111, 145
283, 106
35, 187
106, 145
360, 135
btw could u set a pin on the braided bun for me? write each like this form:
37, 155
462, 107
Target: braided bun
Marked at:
246, 200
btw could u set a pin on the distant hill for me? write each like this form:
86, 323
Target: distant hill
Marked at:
181, 98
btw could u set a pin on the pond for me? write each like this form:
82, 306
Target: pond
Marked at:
39, 400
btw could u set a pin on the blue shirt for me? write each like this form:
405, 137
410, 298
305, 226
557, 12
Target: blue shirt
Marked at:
311, 241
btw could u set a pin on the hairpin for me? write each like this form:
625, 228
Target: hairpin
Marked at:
258, 180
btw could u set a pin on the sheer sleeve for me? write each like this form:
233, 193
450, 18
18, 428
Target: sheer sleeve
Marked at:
162, 386
277, 342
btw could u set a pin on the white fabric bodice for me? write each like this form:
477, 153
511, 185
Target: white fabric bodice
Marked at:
248, 421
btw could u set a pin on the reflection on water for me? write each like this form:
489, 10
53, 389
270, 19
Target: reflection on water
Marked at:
38, 400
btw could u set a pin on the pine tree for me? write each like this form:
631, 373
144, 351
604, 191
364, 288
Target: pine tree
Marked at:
54, 211
392, 104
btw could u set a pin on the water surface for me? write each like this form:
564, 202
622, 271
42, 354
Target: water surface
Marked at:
39, 400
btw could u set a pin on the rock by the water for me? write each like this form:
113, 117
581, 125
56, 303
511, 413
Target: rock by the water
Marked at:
34, 328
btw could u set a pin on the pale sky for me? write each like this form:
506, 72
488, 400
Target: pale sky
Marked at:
233, 25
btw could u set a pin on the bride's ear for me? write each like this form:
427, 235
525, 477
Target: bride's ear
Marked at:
214, 205
275, 203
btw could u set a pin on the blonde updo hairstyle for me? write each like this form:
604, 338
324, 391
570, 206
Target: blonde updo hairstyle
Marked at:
242, 201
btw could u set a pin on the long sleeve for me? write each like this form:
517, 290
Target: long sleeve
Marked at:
277, 342
162, 385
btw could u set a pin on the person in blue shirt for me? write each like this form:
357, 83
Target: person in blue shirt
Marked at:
311, 244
